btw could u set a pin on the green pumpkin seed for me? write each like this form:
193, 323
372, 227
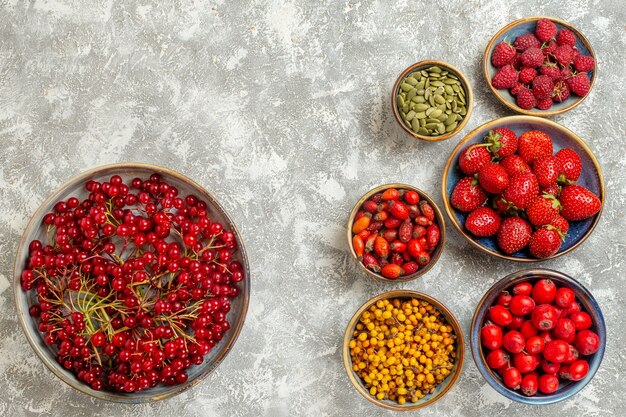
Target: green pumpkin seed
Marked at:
410, 115
441, 128
427, 94
432, 75
420, 115
440, 91
400, 101
424, 73
422, 122
462, 99
450, 81
449, 91
405, 108
434, 69
432, 120
420, 85
444, 73
421, 107
442, 117
437, 83
439, 99
431, 125
450, 119
463, 111
411, 80
435, 113
415, 125
422, 131
406, 86
419, 99
451, 127
454, 77
431, 100
411, 94
421, 92
429, 110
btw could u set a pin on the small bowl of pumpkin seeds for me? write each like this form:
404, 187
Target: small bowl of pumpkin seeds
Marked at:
432, 100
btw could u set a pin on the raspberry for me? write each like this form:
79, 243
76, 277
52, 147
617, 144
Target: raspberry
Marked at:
564, 54
566, 72
560, 92
584, 63
551, 70
525, 41
527, 75
545, 30
515, 89
579, 84
517, 61
526, 99
502, 54
532, 57
549, 48
506, 77
565, 37
544, 103
543, 87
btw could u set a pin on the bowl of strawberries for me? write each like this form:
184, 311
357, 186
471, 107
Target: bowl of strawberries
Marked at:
523, 188
539, 66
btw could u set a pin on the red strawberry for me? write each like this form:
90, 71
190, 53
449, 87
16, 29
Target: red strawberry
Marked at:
521, 190
525, 99
544, 103
514, 165
549, 48
584, 63
527, 75
579, 84
525, 41
502, 54
545, 30
552, 189
532, 57
483, 222
514, 234
543, 86
565, 37
506, 77
570, 164
473, 158
578, 203
564, 54
561, 91
503, 142
493, 178
551, 70
561, 224
545, 242
503, 207
543, 209
467, 195
547, 170
533, 144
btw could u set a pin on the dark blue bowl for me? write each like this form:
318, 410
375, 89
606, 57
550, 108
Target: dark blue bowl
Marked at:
588, 303
591, 178
512, 31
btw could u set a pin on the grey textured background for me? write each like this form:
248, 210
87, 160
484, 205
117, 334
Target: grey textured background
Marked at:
281, 109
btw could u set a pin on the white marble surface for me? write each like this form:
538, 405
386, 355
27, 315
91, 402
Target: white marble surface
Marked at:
281, 109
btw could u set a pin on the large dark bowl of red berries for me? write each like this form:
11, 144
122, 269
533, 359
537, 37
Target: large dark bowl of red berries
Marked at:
131, 283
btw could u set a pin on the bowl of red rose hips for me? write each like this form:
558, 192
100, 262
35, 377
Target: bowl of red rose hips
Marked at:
523, 188
538, 336
131, 283
540, 66
396, 232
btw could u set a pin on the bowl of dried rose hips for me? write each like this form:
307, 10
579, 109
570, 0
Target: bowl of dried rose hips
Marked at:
131, 283
539, 66
523, 188
396, 232
538, 336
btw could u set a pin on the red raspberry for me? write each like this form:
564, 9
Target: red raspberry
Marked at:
525, 41
566, 72
502, 54
543, 86
565, 37
527, 75
517, 61
506, 77
545, 30
564, 54
549, 48
561, 91
544, 103
584, 63
532, 57
551, 70
526, 99
579, 84
515, 89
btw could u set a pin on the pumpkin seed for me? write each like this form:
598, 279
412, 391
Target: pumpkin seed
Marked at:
451, 127
420, 85
406, 86
419, 99
441, 128
415, 125
411, 94
410, 115
435, 69
411, 80
435, 113
431, 125
422, 131
400, 101
420, 115
439, 99
421, 107
437, 83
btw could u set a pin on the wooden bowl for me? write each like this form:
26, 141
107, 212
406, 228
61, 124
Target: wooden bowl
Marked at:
35, 230
520, 27
434, 255
442, 388
591, 178
419, 66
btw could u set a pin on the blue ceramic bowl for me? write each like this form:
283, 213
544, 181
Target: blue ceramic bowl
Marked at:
588, 303
512, 31
591, 178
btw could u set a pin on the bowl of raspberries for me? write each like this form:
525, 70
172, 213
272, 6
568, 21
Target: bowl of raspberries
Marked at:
523, 188
539, 66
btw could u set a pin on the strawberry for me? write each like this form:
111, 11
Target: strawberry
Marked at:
543, 209
503, 142
493, 178
570, 164
543, 87
502, 54
467, 195
545, 30
532, 57
547, 170
549, 48
527, 75
565, 37
525, 99
550, 69
561, 224
503, 207
545, 242
561, 91
483, 222
514, 234
525, 41
552, 189
506, 77
514, 165
579, 84
544, 103
578, 203
533, 144
564, 54
473, 158
521, 190
584, 63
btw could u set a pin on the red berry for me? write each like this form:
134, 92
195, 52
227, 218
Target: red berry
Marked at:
565, 37
564, 297
512, 378
535, 345
581, 320
521, 191
527, 74
545, 242
399, 210
493, 178
544, 291
548, 383
578, 203
570, 164
532, 57
578, 370
521, 305
525, 41
391, 271
525, 99
547, 170
584, 63
473, 158
513, 341
513, 165
544, 103
545, 30
551, 70
528, 330
561, 91
565, 329
502, 54
467, 195
503, 142
579, 84
530, 384
556, 351
587, 342
544, 317
534, 144
564, 54
483, 221
542, 210
505, 77
497, 359
491, 336
526, 362
500, 315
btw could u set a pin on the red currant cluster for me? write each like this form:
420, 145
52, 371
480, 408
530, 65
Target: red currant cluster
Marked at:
134, 283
